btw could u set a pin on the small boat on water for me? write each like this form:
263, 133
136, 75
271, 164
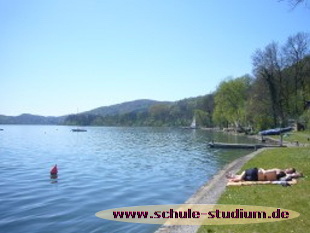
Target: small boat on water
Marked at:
78, 130
1, 129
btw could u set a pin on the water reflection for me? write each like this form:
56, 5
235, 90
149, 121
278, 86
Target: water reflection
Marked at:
54, 178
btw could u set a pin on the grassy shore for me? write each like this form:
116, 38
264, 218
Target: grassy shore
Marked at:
296, 197
302, 137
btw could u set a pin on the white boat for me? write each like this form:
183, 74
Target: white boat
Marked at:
78, 130
193, 124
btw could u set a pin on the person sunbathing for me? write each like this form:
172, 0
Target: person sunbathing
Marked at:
260, 174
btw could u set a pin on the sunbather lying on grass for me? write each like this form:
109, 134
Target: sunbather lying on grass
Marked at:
259, 174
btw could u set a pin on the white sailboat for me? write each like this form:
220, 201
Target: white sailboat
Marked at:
193, 124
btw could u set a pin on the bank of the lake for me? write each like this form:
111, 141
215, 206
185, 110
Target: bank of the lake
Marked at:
294, 198
210, 192
300, 138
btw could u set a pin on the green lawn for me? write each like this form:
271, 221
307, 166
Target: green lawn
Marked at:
301, 136
296, 197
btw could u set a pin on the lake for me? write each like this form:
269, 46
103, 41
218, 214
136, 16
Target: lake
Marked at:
103, 168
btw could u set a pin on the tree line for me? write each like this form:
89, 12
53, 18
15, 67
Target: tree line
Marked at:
179, 113
276, 94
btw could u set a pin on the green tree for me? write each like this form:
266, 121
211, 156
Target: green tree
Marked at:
230, 101
203, 118
258, 107
159, 114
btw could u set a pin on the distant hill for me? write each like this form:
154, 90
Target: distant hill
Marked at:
113, 110
134, 113
148, 113
31, 119
126, 107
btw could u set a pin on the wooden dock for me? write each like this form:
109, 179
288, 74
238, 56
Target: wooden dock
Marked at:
239, 145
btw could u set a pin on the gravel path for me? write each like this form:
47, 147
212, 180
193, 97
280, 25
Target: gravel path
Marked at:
209, 193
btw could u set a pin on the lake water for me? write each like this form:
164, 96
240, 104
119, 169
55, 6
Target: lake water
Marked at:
103, 168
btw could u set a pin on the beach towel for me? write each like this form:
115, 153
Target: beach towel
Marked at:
248, 183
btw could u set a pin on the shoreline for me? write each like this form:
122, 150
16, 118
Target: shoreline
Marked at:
210, 192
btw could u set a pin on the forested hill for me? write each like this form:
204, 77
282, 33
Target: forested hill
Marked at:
123, 108
31, 119
148, 113
113, 110
134, 113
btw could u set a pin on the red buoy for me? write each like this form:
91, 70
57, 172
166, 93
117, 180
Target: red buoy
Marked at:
54, 170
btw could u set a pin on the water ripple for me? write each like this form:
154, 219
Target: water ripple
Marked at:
101, 169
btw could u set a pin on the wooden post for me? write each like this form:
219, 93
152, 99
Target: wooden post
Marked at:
263, 140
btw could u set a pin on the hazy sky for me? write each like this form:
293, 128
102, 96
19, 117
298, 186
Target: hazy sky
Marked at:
60, 55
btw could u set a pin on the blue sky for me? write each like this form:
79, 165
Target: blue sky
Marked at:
57, 56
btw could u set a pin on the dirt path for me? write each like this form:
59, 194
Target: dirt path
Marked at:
210, 192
